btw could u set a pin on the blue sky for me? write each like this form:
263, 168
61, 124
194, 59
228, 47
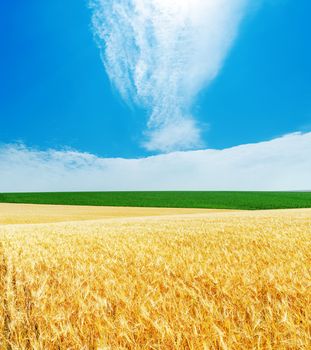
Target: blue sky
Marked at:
55, 92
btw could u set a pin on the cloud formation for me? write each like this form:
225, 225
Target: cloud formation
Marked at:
161, 53
281, 164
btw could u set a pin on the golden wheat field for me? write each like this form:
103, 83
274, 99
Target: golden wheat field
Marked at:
34, 214
213, 280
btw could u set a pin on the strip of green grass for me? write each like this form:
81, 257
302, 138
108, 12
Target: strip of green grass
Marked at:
217, 200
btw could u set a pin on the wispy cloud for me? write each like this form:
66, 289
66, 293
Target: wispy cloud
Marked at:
161, 53
281, 164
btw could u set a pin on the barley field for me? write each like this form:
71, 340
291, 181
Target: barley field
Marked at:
213, 280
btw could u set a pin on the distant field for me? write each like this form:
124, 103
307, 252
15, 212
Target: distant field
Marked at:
14, 213
210, 200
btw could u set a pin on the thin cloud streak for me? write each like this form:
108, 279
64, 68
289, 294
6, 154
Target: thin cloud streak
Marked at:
161, 53
281, 164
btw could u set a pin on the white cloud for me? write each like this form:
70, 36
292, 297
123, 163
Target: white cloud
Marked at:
281, 164
161, 53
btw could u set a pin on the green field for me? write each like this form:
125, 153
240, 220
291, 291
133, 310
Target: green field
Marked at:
217, 200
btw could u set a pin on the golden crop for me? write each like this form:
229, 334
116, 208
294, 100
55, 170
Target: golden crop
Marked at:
235, 280
35, 214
